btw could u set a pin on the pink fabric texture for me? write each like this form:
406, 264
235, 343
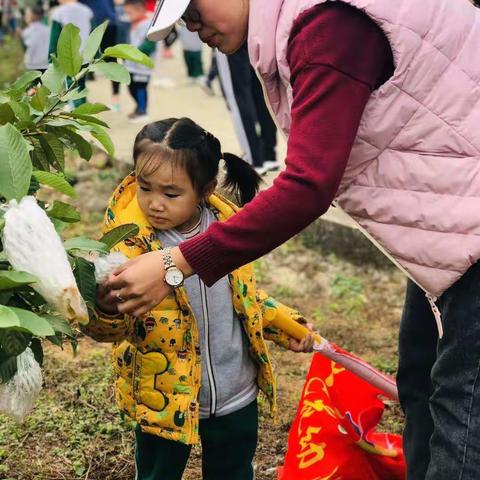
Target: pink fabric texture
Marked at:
412, 181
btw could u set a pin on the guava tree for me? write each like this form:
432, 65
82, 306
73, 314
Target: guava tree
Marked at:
36, 131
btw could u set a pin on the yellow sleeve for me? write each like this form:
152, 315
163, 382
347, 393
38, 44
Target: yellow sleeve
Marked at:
275, 312
109, 328
112, 328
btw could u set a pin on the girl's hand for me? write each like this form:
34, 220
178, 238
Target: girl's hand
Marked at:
140, 283
106, 301
306, 344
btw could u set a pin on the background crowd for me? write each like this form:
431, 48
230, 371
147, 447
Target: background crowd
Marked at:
38, 24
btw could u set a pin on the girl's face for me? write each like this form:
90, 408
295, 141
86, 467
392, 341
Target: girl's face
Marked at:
167, 197
220, 23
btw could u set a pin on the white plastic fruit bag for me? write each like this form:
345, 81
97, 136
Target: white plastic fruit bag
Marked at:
106, 264
18, 395
31, 244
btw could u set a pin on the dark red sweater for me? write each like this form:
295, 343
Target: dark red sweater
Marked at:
337, 57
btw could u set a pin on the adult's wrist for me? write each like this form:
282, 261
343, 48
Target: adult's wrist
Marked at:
181, 263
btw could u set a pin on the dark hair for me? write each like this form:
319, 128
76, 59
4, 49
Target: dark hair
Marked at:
37, 12
187, 144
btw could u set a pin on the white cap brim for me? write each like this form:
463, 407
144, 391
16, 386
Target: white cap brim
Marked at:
167, 14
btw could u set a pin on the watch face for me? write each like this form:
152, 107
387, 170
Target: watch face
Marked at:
174, 277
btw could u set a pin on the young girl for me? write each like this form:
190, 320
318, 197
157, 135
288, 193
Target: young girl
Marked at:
192, 367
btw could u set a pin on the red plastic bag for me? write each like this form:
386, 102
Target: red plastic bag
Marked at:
333, 435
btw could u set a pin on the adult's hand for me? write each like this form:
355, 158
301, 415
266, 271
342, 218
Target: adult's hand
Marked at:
140, 283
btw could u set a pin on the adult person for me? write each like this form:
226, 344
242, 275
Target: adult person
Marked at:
380, 103
246, 103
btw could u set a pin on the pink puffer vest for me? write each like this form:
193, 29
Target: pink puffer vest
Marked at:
413, 178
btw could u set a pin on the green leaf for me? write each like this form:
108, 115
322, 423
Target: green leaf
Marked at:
12, 279
54, 78
40, 99
84, 272
56, 181
39, 159
91, 108
68, 50
85, 244
15, 163
36, 347
26, 79
129, 52
102, 136
113, 71
21, 110
89, 119
13, 342
60, 325
6, 114
54, 152
23, 320
63, 122
64, 212
93, 43
8, 367
79, 143
75, 94
119, 234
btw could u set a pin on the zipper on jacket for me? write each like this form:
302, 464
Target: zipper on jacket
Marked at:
208, 359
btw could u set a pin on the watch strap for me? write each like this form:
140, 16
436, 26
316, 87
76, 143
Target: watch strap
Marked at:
167, 258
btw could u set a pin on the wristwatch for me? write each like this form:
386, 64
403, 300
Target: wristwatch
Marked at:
173, 275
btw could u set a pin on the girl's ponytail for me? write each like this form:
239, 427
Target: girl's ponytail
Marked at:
241, 179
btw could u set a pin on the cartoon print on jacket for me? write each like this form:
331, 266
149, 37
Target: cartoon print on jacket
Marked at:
156, 358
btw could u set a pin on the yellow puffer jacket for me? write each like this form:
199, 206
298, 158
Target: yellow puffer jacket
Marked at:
156, 357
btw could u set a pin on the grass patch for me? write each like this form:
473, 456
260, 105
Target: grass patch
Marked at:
75, 430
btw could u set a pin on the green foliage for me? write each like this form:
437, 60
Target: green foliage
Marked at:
64, 212
35, 131
112, 71
11, 279
84, 272
68, 50
56, 181
24, 320
129, 52
119, 234
93, 43
85, 244
16, 166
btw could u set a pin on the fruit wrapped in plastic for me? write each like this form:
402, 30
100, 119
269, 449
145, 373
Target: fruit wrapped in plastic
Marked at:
31, 244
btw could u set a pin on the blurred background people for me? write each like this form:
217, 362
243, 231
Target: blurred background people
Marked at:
35, 38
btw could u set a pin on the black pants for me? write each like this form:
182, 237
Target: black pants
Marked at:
439, 382
228, 448
253, 109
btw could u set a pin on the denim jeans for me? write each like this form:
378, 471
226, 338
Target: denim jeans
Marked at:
438, 382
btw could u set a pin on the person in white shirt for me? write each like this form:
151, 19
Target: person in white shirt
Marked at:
35, 38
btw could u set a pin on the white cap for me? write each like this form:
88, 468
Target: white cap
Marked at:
167, 14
